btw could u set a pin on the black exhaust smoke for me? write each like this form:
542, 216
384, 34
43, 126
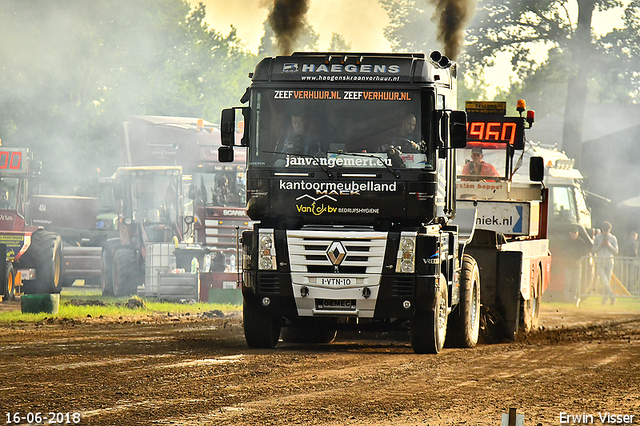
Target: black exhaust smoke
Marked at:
286, 20
453, 16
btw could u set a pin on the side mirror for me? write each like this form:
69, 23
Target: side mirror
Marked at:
536, 169
228, 126
225, 154
458, 129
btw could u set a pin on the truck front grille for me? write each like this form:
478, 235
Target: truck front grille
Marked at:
364, 251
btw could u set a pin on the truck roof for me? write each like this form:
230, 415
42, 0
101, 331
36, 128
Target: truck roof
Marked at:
160, 140
350, 68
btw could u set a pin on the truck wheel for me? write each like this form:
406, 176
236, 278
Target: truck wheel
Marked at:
464, 324
125, 272
8, 286
45, 255
308, 335
261, 330
106, 279
428, 330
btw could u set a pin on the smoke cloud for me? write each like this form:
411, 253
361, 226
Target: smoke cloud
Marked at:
286, 19
452, 16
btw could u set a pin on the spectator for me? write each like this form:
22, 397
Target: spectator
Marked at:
575, 248
605, 247
477, 166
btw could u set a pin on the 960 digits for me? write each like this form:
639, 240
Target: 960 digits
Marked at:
43, 418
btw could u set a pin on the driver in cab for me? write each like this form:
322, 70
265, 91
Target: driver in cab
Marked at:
300, 139
477, 167
405, 135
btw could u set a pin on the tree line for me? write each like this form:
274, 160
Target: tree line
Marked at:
71, 71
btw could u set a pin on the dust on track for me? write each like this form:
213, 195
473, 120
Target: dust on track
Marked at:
197, 370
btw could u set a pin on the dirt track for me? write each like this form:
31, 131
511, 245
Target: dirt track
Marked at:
199, 371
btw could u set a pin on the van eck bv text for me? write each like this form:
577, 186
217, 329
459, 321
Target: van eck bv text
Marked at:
604, 418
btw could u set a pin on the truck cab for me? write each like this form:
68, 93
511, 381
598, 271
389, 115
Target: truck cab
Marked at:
351, 184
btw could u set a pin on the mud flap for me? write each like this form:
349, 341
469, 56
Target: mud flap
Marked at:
508, 290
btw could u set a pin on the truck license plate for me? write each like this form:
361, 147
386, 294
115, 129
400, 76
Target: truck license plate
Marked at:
335, 281
336, 305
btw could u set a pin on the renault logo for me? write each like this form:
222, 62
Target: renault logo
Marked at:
336, 253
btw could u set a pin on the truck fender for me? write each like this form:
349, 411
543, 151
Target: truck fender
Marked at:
465, 220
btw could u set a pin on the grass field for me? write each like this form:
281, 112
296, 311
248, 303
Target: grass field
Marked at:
114, 307
622, 304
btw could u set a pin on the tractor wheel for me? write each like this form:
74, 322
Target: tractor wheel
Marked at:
45, 256
125, 272
464, 324
261, 329
428, 330
8, 286
106, 277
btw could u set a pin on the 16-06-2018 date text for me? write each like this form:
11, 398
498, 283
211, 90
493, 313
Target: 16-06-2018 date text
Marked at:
47, 418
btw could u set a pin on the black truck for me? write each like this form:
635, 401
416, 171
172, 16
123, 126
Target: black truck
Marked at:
351, 177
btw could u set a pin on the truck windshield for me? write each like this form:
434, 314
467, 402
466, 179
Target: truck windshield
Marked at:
155, 198
481, 163
563, 205
223, 187
339, 128
8, 193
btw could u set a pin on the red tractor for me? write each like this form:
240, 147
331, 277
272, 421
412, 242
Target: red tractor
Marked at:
33, 256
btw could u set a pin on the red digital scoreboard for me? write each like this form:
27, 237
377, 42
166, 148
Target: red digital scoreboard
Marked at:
13, 160
495, 131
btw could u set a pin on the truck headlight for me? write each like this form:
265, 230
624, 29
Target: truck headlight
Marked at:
266, 252
405, 262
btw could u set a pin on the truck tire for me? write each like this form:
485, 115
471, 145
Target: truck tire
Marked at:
106, 278
45, 256
261, 330
8, 286
428, 329
464, 321
308, 334
125, 272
